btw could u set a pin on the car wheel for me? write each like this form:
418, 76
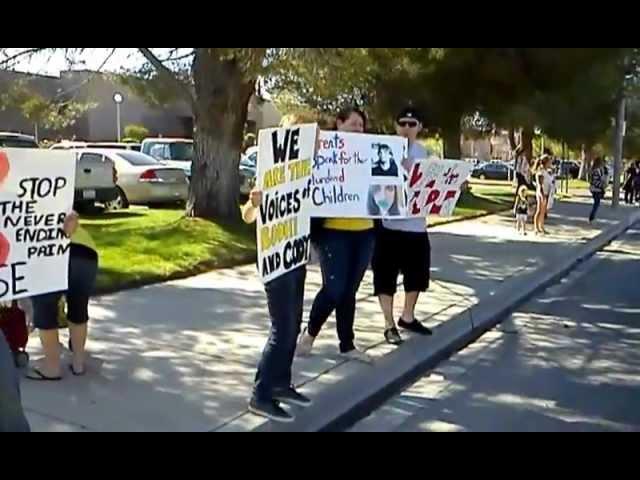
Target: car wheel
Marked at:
119, 203
483, 177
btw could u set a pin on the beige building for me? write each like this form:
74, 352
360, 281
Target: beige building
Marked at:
100, 122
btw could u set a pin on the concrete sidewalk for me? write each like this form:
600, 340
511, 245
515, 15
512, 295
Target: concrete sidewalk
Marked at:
181, 356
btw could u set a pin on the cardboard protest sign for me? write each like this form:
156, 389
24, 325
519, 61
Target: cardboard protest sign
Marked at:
285, 157
36, 193
359, 176
434, 186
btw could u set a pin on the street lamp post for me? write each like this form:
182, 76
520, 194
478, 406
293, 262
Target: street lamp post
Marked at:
118, 98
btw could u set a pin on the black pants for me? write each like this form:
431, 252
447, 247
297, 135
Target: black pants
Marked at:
83, 271
597, 199
344, 259
285, 298
629, 196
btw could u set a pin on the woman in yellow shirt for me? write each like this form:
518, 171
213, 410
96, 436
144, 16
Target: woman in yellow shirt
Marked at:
345, 247
83, 270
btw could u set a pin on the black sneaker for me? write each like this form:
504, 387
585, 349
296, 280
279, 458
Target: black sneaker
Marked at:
270, 410
415, 327
291, 397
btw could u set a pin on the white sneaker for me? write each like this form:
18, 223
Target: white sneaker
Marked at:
359, 356
305, 344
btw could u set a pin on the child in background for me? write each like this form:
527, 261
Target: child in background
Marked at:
521, 210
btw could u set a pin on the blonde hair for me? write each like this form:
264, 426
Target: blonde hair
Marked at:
523, 188
298, 119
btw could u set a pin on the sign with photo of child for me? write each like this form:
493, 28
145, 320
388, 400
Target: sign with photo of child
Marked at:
36, 194
358, 176
285, 157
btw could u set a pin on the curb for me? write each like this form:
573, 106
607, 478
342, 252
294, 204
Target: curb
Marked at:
344, 404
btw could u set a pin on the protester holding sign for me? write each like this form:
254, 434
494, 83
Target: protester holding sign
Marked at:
284, 171
402, 246
83, 270
345, 247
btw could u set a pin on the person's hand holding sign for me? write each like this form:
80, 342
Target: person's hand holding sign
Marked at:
250, 210
256, 197
71, 223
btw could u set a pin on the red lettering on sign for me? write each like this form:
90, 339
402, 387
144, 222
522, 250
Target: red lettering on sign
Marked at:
416, 176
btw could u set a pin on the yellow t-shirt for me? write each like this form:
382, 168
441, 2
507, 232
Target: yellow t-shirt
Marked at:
348, 224
82, 237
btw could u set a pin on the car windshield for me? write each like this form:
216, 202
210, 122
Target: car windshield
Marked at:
138, 159
182, 152
17, 143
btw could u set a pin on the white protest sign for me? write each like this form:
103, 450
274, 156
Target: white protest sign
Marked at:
285, 157
36, 193
359, 176
434, 186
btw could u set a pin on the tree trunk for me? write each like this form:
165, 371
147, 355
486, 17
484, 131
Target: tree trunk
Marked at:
587, 161
513, 143
527, 143
451, 142
222, 96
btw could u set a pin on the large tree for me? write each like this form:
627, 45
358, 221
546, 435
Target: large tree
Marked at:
217, 84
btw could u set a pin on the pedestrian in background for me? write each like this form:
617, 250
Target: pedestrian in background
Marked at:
598, 186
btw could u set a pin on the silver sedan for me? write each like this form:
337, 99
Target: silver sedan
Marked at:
143, 180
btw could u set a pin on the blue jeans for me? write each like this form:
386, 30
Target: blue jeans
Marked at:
285, 299
597, 199
344, 259
12, 417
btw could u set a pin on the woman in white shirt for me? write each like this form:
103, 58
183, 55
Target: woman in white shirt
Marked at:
544, 184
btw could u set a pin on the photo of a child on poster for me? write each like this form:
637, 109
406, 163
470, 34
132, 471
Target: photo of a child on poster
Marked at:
386, 201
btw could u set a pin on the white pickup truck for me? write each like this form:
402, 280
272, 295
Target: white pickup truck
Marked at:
95, 174
95, 179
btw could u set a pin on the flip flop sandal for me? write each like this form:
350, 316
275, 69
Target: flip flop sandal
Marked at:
37, 376
392, 336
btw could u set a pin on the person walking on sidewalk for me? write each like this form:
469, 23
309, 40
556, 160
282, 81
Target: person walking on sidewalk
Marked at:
345, 247
402, 246
544, 184
598, 186
83, 270
12, 418
629, 183
285, 300
636, 184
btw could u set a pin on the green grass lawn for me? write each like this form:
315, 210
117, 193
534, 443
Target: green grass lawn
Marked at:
141, 246
485, 198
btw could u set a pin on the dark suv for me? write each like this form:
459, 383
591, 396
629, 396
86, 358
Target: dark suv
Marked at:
17, 140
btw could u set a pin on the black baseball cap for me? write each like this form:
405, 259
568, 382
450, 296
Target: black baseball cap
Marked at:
409, 112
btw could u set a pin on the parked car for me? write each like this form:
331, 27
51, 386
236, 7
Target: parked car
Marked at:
17, 140
175, 152
110, 145
143, 180
493, 171
248, 170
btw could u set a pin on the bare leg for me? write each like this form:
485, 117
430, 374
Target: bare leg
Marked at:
410, 302
78, 342
51, 348
386, 303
